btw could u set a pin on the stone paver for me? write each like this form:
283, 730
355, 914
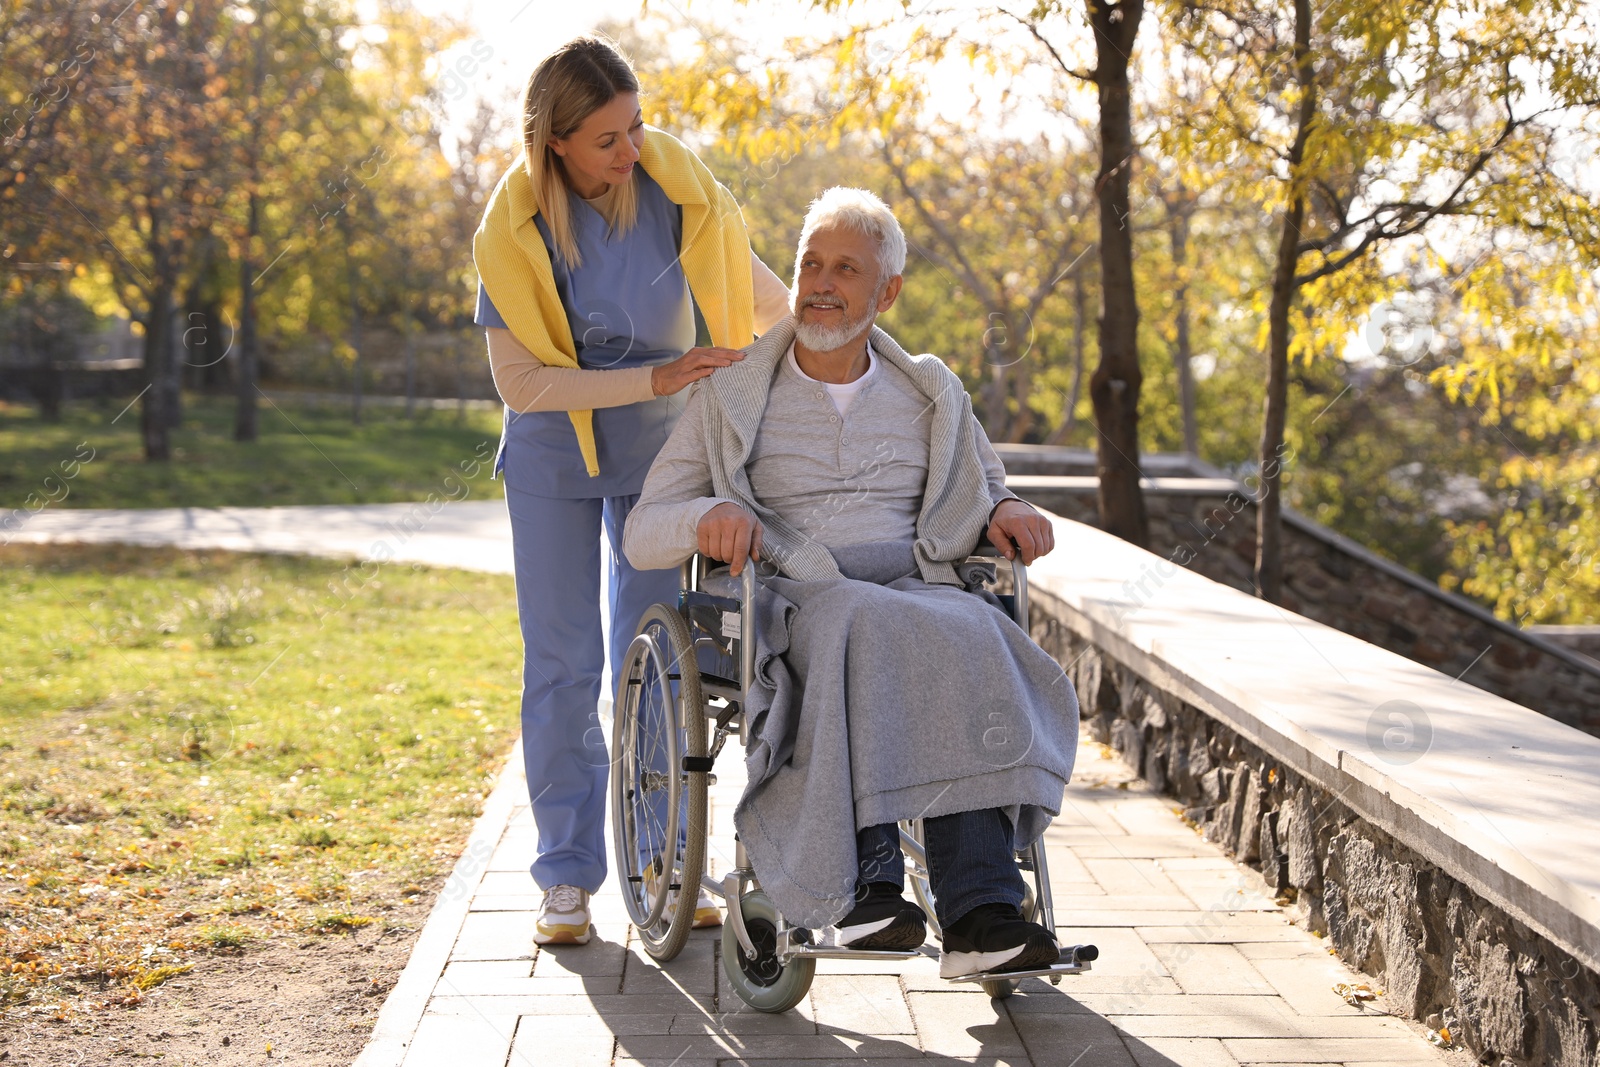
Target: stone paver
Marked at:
1198, 968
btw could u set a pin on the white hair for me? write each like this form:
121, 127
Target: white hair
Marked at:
863, 212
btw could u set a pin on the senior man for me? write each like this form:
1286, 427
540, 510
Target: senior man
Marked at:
889, 685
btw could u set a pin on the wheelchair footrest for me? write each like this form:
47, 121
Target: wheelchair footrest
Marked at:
831, 952
1075, 959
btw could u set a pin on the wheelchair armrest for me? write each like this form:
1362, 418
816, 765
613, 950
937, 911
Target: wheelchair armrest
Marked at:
1019, 578
695, 570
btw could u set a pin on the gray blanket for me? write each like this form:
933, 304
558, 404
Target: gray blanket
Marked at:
880, 697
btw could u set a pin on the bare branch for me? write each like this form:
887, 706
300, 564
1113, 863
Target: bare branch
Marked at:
961, 265
1033, 28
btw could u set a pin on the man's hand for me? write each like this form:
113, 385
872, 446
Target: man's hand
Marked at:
1016, 527
690, 367
731, 534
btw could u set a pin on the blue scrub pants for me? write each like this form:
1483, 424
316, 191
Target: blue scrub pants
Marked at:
556, 544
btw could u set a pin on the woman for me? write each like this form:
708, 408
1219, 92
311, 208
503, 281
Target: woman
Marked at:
602, 249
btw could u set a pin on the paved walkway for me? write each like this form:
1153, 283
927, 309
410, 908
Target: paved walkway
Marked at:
1198, 966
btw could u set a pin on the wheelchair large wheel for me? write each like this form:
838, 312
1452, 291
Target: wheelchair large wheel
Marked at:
1036, 893
764, 983
658, 810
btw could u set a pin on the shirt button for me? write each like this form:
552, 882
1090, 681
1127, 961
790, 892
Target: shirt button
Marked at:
833, 418
819, 394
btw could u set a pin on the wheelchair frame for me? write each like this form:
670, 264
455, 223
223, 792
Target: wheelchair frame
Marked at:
769, 962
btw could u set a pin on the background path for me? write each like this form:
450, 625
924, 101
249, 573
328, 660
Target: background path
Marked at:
471, 534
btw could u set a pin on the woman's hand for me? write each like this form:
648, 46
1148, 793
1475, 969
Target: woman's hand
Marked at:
690, 367
1016, 527
731, 534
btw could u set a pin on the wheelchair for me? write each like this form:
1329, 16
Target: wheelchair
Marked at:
680, 696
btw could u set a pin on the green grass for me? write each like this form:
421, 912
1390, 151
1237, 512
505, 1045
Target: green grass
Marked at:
305, 455
200, 749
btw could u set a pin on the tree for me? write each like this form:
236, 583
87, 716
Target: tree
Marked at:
48, 53
142, 166
1115, 385
1362, 125
1114, 388
995, 219
1522, 361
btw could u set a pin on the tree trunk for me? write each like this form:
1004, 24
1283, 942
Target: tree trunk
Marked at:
1021, 390
1080, 358
355, 367
1182, 350
245, 426
154, 420
214, 376
1114, 387
409, 324
51, 388
173, 380
1269, 508
352, 278
995, 414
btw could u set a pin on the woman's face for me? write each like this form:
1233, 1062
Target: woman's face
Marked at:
603, 150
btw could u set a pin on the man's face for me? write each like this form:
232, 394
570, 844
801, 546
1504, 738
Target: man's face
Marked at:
837, 292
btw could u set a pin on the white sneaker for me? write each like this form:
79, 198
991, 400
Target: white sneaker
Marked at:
563, 917
706, 911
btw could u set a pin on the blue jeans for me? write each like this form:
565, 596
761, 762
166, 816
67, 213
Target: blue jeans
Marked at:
970, 861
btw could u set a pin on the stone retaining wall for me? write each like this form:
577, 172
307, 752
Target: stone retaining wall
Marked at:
1584, 640
1440, 952
1208, 526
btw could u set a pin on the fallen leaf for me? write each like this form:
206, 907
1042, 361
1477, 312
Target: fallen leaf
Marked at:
1355, 993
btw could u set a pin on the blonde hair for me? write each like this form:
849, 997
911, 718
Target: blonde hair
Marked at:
568, 86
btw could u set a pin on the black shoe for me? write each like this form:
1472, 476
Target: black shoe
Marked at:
995, 937
885, 920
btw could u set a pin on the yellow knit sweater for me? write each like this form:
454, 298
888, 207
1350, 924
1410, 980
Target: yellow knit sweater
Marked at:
514, 265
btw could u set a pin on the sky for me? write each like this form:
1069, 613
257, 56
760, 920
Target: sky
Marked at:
520, 32
515, 34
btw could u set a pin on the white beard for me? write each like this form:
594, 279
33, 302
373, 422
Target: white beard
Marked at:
821, 338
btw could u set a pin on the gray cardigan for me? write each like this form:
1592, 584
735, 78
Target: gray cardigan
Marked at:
938, 459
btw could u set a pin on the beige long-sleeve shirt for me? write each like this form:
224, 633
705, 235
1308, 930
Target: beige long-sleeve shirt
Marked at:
526, 383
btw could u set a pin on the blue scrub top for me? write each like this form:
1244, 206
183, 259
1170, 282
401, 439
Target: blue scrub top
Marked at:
628, 305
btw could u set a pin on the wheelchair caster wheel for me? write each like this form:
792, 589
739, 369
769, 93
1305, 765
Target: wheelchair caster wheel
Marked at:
1000, 988
763, 983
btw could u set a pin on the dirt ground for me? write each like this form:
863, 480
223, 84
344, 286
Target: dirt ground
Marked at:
294, 998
